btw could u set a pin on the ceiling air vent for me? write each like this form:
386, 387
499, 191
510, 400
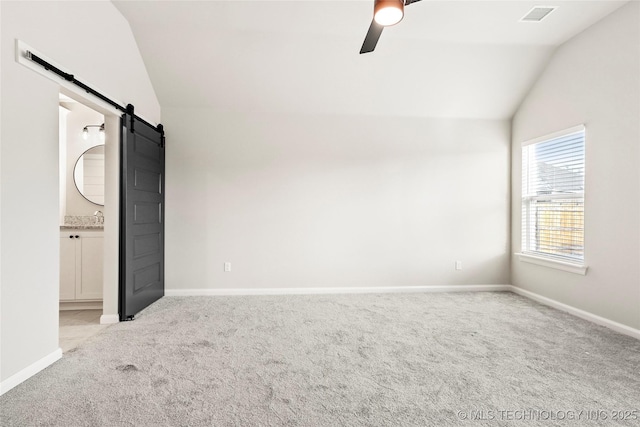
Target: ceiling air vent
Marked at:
537, 14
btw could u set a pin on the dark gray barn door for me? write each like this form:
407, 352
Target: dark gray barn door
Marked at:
141, 215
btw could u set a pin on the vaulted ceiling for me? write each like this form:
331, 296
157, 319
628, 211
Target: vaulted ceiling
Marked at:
446, 58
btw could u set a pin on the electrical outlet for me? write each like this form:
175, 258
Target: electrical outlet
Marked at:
458, 265
227, 266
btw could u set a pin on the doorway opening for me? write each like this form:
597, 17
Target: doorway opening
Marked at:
84, 207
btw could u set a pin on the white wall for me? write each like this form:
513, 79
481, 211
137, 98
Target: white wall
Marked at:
593, 79
78, 117
334, 201
104, 56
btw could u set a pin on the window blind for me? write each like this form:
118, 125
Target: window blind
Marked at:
553, 197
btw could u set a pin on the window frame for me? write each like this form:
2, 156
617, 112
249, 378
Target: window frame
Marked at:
577, 266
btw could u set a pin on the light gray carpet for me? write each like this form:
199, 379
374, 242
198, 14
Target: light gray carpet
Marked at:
352, 360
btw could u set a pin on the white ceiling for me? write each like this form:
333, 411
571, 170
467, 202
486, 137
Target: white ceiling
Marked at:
446, 58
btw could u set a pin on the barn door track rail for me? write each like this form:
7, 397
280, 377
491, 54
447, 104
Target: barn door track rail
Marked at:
129, 109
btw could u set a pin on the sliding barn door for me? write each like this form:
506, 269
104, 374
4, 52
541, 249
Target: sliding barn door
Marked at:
141, 215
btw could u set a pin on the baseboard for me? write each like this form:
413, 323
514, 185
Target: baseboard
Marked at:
29, 371
80, 305
108, 319
618, 327
327, 290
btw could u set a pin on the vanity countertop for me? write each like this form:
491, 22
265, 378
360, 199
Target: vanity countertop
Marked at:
82, 227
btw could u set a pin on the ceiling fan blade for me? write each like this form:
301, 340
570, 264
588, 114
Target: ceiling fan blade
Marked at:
408, 2
372, 37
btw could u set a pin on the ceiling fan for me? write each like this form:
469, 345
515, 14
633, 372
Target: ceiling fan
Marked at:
385, 13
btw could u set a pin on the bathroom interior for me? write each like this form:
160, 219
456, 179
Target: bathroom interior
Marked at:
82, 183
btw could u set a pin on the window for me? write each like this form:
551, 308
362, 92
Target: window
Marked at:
553, 197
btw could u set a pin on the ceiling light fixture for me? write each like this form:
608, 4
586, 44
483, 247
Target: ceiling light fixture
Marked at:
388, 12
85, 131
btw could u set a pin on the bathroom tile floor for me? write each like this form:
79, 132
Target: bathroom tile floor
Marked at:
76, 326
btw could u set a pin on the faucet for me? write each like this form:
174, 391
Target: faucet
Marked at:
99, 217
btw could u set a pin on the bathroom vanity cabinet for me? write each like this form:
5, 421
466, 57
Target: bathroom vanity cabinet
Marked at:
81, 265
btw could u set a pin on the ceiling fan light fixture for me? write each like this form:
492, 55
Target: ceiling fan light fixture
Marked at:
388, 12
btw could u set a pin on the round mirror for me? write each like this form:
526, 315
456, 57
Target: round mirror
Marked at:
88, 174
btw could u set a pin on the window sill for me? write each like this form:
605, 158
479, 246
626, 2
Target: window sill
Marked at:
559, 265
